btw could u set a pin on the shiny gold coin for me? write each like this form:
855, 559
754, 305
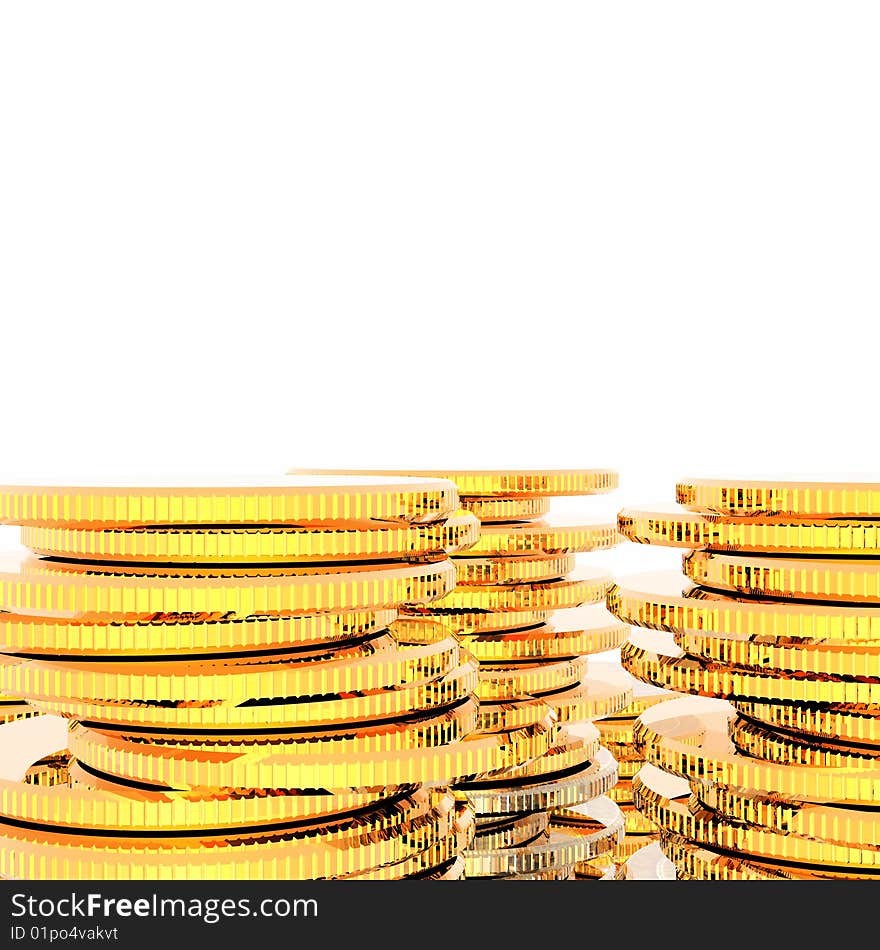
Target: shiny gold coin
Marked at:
756, 740
41, 588
600, 821
569, 752
575, 632
467, 622
689, 738
500, 482
814, 578
858, 826
686, 818
256, 544
631, 845
519, 508
816, 499
49, 771
678, 527
550, 851
12, 709
500, 683
543, 537
703, 864
559, 791
833, 659
587, 586
526, 569
278, 765
610, 690
668, 601
510, 831
297, 500
449, 871
815, 721
355, 670
505, 715
185, 634
656, 659
275, 713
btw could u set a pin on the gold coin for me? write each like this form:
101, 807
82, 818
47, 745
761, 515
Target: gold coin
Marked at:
668, 601
11, 710
510, 831
35, 587
256, 544
689, 737
525, 569
805, 578
553, 850
694, 862
816, 499
520, 508
354, 670
185, 634
858, 826
499, 683
685, 817
576, 786
678, 527
835, 659
756, 740
301, 501
600, 821
500, 482
543, 537
815, 721
279, 765
466, 622
575, 632
587, 586
656, 660
275, 713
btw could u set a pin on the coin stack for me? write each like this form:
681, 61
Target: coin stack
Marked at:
518, 608
240, 701
618, 737
771, 768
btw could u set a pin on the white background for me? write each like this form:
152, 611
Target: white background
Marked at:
244, 236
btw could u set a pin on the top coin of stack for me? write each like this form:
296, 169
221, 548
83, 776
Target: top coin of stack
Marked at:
241, 703
517, 607
778, 620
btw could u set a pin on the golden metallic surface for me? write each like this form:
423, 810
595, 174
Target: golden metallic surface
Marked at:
550, 792
669, 601
300, 500
678, 527
686, 818
811, 499
499, 683
500, 482
42, 588
586, 586
550, 851
185, 634
277, 713
493, 510
569, 633
279, 764
353, 670
757, 740
256, 544
600, 821
467, 622
543, 537
509, 831
686, 674
505, 715
834, 579
609, 690
526, 569
858, 826
689, 738
12, 708
429, 843
697, 863
815, 721
778, 656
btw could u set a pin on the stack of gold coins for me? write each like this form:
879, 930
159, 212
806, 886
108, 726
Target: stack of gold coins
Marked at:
617, 734
518, 607
771, 769
240, 701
